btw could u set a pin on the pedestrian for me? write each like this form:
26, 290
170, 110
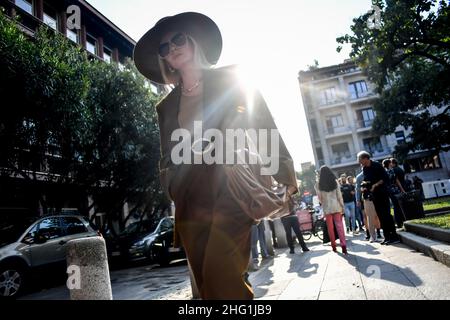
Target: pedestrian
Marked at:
258, 236
358, 214
417, 183
210, 223
395, 188
330, 197
360, 205
290, 222
369, 208
375, 174
272, 231
348, 194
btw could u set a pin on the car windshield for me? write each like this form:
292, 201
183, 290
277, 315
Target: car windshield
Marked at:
12, 228
141, 227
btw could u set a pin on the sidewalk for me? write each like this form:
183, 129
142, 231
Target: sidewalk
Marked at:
370, 272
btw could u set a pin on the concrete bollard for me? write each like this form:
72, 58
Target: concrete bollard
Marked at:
87, 265
268, 236
280, 234
195, 292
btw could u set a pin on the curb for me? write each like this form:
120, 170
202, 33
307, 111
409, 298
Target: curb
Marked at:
435, 249
437, 211
427, 231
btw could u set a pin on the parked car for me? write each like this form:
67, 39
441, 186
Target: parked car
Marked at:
27, 247
155, 244
118, 245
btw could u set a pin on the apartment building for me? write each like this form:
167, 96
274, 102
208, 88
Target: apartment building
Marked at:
81, 23
338, 103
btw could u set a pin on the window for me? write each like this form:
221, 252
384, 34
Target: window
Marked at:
423, 164
154, 88
91, 44
53, 145
50, 17
50, 228
373, 145
340, 151
334, 122
107, 53
358, 89
72, 35
73, 225
26, 5
400, 137
31, 235
166, 225
328, 96
365, 117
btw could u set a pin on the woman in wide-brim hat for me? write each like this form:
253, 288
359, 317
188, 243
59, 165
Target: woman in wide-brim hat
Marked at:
211, 225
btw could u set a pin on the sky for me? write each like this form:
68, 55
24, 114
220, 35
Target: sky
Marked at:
272, 40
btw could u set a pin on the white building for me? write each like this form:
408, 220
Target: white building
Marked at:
338, 103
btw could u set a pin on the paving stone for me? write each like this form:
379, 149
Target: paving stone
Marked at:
335, 283
391, 286
302, 289
344, 293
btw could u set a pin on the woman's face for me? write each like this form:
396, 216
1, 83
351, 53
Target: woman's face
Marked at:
180, 52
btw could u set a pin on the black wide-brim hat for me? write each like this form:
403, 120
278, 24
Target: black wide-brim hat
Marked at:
200, 27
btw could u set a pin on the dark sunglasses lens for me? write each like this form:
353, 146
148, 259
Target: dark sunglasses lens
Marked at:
179, 39
164, 49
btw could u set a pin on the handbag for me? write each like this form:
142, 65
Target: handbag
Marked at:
259, 196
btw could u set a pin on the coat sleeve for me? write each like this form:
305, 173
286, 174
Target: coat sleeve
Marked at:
261, 118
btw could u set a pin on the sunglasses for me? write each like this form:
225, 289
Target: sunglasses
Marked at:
178, 40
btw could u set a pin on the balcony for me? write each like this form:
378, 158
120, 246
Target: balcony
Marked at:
333, 132
363, 125
346, 158
357, 97
323, 105
378, 152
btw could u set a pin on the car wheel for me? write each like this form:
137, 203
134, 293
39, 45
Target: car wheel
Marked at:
159, 256
12, 281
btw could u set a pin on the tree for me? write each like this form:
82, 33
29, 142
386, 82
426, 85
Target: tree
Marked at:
314, 66
122, 147
88, 124
308, 180
44, 85
407, 58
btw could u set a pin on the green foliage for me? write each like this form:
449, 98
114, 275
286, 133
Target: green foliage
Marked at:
88, 122
408, 60
437, 203
442, 221
308, 180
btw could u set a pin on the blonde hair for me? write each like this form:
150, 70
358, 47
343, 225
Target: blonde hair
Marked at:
199, 60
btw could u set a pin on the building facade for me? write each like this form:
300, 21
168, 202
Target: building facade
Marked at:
338, 103
84, 26
81, 23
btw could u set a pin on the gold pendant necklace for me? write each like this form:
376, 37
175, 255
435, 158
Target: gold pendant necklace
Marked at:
191, 88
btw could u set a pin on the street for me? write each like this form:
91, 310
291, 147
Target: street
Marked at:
370, 272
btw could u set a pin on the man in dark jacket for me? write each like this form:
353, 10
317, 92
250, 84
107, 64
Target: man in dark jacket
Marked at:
375, 173
291, 222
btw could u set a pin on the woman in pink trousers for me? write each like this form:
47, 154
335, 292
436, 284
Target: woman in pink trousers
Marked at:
330, 197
